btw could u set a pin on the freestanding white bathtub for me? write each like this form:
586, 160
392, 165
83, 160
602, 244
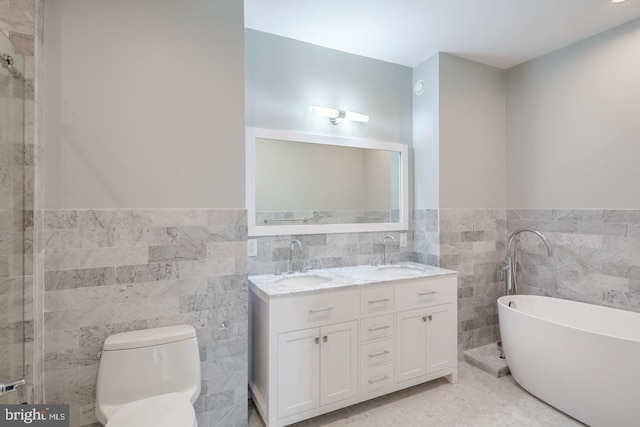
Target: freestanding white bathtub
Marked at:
583, 359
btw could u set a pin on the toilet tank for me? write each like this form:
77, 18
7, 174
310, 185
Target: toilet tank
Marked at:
140, 364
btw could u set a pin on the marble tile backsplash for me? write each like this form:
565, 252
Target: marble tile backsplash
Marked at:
109, 271
596, 255
326, 251
424, 229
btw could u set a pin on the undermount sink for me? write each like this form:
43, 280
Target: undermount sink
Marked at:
308, 280
400, 269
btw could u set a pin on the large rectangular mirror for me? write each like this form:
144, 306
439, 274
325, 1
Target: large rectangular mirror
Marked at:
308, 184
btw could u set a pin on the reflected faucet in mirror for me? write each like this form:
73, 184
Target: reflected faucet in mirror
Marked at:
292, 265
384, 247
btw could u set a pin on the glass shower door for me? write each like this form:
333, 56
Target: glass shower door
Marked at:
12, 224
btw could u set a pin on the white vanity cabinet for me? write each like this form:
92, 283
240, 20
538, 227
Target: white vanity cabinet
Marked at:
316, 366
315, 352
424, 342
426, 325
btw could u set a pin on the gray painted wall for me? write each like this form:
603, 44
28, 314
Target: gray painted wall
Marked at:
144, 104
472, 134
284, 77
572, 125
459, 134
426, 135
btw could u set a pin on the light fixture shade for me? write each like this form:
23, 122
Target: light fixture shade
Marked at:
356, 117
336, 116
332, 113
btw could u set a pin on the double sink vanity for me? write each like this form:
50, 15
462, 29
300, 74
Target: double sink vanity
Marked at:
329, 338
326, 339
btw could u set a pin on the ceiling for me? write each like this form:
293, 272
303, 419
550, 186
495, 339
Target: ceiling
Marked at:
502, 33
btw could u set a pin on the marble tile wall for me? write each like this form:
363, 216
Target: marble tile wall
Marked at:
596, 255
424, 229
472, 242
108, 271
38, 215
327, 251
19, 21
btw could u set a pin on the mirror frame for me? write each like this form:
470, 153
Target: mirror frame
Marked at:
291, 229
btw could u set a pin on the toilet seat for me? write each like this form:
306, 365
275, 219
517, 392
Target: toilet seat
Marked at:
165, 410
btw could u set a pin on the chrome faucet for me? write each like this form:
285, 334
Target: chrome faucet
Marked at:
384, 247
511, 261
292, 265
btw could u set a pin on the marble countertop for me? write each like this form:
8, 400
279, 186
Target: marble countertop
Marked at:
272, 285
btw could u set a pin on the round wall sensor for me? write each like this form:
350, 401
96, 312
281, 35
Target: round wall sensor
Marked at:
418, 88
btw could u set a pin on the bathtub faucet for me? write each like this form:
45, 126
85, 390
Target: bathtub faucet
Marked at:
510, 267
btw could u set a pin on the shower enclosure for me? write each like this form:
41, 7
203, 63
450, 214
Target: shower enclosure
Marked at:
12, 220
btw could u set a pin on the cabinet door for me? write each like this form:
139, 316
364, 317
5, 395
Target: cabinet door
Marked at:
440, 338
410, 344
298, 371
339, 362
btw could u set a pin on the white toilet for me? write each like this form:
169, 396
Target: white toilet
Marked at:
149, 378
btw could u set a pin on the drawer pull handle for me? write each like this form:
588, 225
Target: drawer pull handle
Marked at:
378, 353
426, 293
377, 380
373, 301
379, 328
319, 310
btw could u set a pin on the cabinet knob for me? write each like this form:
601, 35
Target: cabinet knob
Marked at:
317, 340
425, 318
325, 338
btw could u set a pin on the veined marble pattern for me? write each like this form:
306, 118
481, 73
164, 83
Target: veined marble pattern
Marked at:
596, 255
109, 271
344, 277
472, 242
424, 228
20, 21
327, 251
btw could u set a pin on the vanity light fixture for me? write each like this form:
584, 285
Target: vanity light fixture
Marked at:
337, 116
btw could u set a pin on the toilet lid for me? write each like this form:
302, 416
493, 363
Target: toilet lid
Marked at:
166, 410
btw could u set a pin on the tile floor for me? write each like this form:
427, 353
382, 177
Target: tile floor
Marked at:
477, 400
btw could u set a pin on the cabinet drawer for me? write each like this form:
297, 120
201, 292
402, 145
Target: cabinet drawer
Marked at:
321, 308
376, 300
424, 293
376, 328
376, 353
376, 379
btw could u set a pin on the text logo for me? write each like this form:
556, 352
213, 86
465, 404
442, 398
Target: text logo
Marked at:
34, 415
